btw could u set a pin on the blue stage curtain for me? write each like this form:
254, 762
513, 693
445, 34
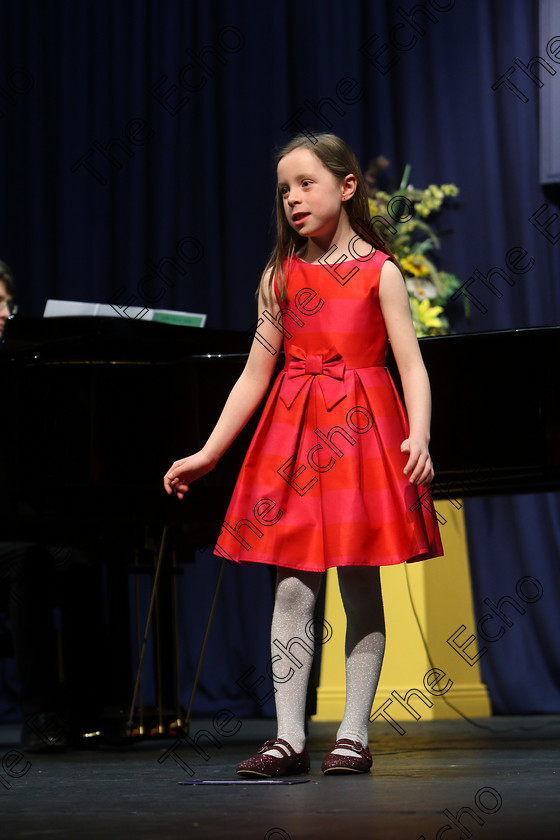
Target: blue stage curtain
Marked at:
514, 546
136, 142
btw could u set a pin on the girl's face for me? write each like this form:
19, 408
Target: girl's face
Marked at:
312, 195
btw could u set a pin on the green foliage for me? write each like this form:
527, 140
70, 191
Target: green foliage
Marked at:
413, 244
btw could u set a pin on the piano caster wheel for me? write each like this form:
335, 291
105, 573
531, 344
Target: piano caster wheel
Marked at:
178, 729
118, 731
170, 729
135, 731
157, 724
157, 731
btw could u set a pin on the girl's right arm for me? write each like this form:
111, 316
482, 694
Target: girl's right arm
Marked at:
243, 400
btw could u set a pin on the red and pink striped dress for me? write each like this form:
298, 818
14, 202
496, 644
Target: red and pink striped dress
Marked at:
322, 483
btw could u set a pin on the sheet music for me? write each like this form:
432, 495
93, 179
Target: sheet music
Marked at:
62, 308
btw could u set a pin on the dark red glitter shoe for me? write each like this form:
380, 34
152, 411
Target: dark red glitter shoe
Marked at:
359, 763
269, 766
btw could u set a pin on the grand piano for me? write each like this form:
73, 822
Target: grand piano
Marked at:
93, 413
94, 410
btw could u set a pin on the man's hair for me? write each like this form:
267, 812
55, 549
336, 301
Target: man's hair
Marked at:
7, 278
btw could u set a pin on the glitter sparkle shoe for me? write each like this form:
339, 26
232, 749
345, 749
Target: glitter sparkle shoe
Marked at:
359, 763
270, 766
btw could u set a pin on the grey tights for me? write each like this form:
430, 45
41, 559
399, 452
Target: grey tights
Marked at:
292, 648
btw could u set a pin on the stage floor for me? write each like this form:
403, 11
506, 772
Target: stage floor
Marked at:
503, 783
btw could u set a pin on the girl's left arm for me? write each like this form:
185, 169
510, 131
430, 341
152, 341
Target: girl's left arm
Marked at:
393, 298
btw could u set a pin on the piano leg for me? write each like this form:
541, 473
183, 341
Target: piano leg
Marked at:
162, 618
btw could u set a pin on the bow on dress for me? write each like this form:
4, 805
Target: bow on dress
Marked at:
328, 368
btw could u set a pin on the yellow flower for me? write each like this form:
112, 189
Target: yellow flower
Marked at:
375, 209
425, 314
422, 210
415, 265
436, 192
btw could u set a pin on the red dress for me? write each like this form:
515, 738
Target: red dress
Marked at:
322, 483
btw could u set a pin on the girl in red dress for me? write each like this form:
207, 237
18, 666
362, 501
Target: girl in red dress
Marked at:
334, 474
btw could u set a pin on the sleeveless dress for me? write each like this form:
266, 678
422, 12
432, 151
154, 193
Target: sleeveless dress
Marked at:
322, 483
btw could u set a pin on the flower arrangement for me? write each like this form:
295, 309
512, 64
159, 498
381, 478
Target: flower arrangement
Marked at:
428, 288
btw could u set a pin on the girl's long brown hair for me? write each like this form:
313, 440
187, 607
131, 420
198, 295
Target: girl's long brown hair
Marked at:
341, 161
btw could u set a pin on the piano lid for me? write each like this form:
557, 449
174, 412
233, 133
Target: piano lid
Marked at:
496, 411
89, 339
496, 401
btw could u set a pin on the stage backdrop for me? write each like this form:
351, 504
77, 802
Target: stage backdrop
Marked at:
136, 143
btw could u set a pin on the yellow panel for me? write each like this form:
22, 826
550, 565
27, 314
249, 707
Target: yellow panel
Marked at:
441, 593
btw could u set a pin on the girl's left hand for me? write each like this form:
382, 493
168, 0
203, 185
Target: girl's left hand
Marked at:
419, 464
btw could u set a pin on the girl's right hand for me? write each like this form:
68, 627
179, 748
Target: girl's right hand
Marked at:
182, 473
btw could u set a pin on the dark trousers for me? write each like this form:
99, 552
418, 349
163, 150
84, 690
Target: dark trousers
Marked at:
26, 578
35, 581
